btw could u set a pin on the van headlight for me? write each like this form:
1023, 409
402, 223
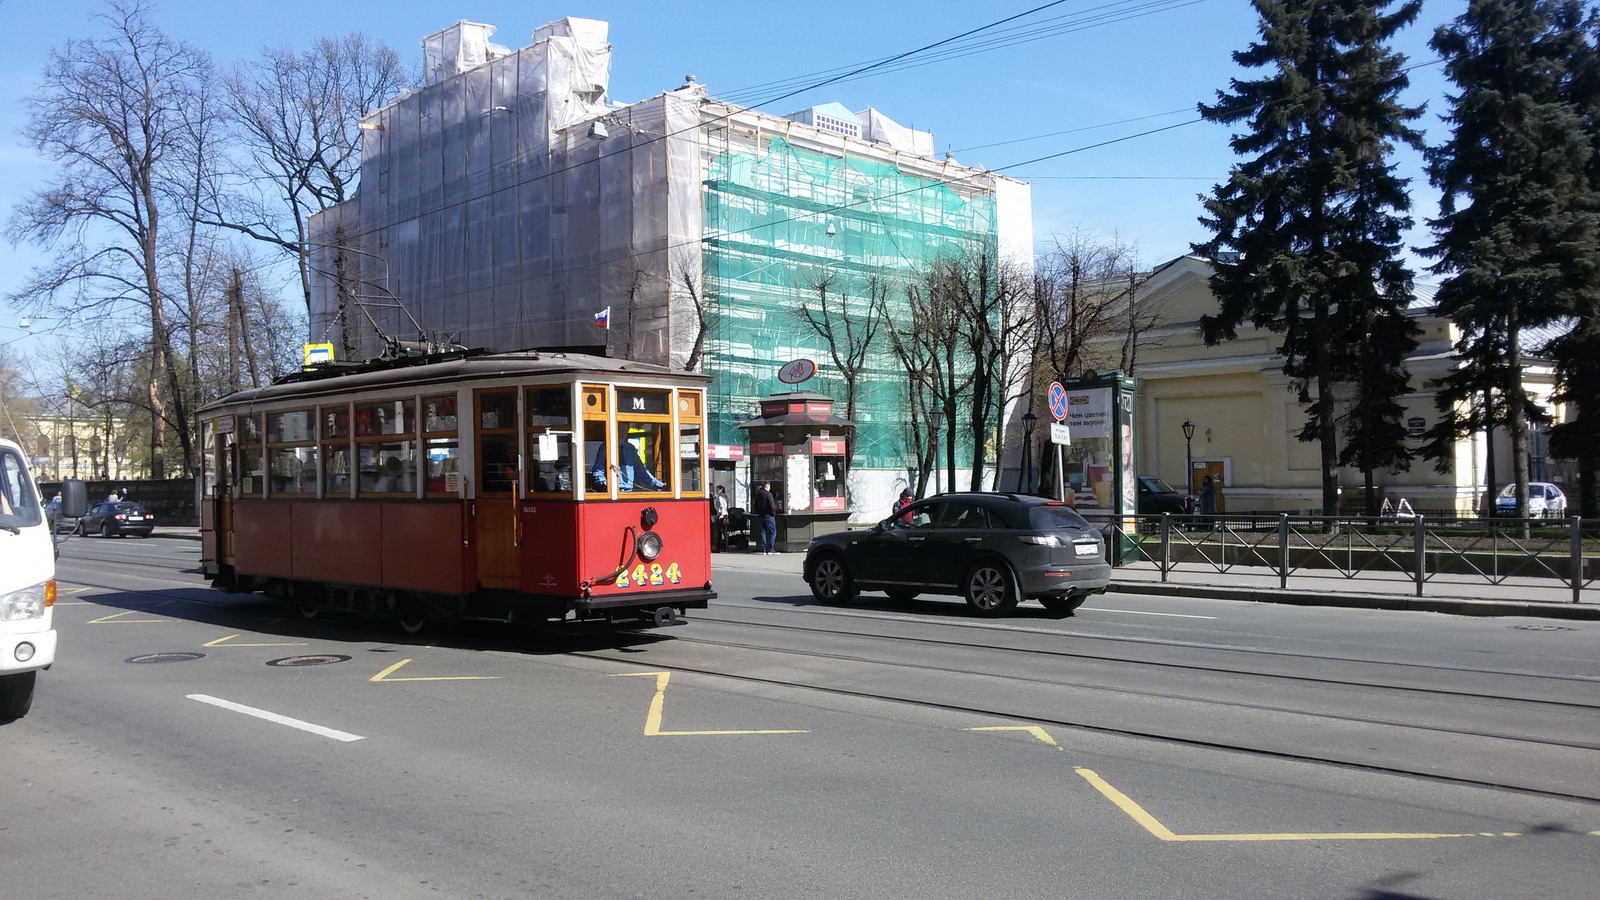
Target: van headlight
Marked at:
28, 603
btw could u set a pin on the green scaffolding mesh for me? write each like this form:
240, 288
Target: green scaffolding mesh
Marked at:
768, 213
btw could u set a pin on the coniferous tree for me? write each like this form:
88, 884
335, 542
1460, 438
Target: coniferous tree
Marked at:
1517, 232
1311, 221
1577, 353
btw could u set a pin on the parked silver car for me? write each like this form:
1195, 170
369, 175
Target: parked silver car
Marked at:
1545, 501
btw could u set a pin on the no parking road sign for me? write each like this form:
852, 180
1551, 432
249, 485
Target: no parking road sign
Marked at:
1058, 400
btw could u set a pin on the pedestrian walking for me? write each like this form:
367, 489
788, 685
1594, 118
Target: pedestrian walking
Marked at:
766, 509
1208, 499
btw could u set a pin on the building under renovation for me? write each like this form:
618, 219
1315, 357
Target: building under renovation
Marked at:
510, 203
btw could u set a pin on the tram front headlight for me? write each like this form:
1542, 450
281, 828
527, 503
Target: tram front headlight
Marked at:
649, 545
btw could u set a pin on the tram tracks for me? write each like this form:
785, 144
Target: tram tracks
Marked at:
1217, 670
976, 704
1103, 728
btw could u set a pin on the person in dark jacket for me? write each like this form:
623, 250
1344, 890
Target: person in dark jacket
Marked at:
766, 509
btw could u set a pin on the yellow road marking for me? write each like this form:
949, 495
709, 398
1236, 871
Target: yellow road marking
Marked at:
116, 619
1138, 814
76, 603
225, 640
1034, 730
652, 722
384, 675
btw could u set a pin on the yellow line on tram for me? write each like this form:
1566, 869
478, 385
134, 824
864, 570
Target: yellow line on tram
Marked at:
652, 722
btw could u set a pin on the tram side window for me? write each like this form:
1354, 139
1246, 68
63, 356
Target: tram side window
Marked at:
208, 459
252, 459
691, 438
335, 451
442, 448
386, 466
549, 449
292, 453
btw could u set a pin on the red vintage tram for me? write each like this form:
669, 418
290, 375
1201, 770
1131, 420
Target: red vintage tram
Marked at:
527, 486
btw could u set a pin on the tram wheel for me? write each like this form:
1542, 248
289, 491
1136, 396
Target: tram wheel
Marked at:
412, 623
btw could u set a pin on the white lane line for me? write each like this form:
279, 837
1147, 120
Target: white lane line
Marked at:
1137, 612
274, 717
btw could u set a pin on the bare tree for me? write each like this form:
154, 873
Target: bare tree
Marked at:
298, 114
914, 356
691, 287
848, 329
113, 114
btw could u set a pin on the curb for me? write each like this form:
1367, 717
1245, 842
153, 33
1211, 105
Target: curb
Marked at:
1455, 607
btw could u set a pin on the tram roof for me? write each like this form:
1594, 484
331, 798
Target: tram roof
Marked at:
446, 369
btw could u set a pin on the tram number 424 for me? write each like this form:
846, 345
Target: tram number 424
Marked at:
642, 575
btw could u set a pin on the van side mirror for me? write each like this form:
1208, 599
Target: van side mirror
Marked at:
74, 498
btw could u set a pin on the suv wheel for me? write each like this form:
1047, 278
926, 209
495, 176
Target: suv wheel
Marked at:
830, 580
989, 590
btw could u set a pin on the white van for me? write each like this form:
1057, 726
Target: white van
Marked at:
27, 579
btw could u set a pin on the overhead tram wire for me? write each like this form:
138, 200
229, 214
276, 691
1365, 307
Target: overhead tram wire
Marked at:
472, 189
1122, 11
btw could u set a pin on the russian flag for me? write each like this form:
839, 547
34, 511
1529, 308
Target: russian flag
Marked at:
602, 319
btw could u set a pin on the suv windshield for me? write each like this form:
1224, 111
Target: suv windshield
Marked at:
18, 505
1056, 517
1158, 486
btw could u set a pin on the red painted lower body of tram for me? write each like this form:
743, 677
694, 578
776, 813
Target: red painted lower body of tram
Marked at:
637, 563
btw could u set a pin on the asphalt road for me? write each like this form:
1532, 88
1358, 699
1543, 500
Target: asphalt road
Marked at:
1146, 747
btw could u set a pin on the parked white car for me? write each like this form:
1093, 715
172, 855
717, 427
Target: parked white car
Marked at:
1545, 501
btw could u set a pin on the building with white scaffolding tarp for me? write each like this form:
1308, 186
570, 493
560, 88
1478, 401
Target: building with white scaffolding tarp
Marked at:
509, 201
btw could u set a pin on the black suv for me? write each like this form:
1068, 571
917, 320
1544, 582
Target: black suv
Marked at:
1156, 497
992, 549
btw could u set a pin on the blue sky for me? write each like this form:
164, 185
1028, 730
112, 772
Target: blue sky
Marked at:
995, 109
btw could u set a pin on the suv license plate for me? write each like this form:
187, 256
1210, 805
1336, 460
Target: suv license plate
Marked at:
1087, 549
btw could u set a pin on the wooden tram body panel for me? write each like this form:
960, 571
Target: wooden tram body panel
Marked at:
464, 536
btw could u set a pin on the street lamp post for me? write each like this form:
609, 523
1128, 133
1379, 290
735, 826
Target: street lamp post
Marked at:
936, 418
1029, 422
1188, 458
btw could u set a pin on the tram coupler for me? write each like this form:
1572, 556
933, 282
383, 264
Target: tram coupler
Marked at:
667, 615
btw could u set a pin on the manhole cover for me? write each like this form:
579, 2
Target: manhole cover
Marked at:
326, 659
1543, 627
164, 658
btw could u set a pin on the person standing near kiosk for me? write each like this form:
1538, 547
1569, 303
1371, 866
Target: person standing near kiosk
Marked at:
766, 509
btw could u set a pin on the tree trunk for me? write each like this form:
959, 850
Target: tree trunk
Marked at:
1489, 454
1516, 420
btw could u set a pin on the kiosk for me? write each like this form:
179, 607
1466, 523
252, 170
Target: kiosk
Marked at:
799, 445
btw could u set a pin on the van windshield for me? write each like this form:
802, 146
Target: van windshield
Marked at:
19, 506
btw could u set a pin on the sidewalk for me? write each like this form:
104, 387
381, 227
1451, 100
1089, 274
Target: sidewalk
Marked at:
1454, 595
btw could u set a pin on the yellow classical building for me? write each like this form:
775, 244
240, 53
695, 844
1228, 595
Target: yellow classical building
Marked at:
1246, 417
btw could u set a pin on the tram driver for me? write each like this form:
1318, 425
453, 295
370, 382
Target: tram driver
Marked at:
632, 471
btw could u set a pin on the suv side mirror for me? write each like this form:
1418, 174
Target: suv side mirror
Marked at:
74, 498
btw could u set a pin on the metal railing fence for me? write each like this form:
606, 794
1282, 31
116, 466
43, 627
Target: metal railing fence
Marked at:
1417, 547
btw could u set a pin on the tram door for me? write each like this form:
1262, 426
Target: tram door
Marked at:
495, 510
223, 523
